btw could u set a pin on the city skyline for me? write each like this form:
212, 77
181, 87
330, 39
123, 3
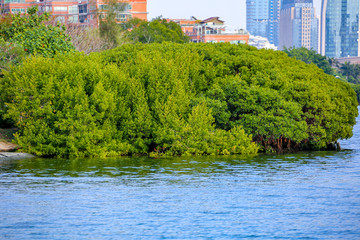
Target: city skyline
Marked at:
340, 28
262, 19
298, 25
233, 12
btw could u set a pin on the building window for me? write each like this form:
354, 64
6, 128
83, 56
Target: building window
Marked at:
102, 7
238, 42
82, 19
83, 8
60, 19
73, 19
60, 9
121, 17
18, 10
14, 1
73, 9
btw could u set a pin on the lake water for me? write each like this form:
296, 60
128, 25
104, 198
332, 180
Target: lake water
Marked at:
311, 195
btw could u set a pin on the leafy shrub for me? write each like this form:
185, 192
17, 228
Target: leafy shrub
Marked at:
156, 31
31, 32
175, 99
44, 40
10, 54
356, 88
198, 137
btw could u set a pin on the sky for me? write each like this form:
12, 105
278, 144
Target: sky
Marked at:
233, 12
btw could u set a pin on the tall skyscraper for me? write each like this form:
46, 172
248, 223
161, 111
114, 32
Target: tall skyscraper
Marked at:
298, 25
263, 19
340, 28
274, 21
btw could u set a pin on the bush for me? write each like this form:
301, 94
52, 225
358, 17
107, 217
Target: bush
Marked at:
156, 31
44, 40
10, 54
31, 32
175, 99
356, 88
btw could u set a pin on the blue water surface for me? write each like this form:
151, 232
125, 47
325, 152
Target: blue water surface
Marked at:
311, 195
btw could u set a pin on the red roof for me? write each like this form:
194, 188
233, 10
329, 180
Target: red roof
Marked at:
212, 19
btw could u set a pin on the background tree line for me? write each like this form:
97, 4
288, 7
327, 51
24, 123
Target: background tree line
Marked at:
40, 34
346, 71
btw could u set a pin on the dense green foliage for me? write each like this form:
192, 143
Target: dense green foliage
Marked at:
10, 54
311, 56
12, 25
347, 72
356, 88
110, 30
31, 32
135, 30
156, 31
22, 35
175, 99
44, 40
351, 72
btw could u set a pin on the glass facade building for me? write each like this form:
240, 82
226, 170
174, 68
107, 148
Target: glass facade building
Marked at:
298, 25
262, 19
340, 28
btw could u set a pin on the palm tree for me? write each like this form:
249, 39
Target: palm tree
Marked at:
346, 69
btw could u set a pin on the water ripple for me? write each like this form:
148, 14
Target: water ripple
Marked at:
309, 195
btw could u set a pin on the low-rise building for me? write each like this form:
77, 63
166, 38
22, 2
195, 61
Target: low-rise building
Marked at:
210, 30
352, 60
81, 12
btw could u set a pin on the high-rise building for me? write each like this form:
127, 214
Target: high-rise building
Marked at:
263, 19
274, 21
340, 28
298, 25
80, 12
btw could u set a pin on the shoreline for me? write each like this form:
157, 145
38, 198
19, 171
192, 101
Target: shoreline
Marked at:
14, 156
7, 152
6, 146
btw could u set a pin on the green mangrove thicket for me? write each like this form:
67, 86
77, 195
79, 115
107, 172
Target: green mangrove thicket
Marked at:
175, 99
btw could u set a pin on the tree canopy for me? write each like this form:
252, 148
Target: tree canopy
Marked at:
346, 71
109, 28
351, 72
31, 32
156, 31
311, 56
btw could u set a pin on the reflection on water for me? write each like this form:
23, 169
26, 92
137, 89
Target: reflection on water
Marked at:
144, 166
312, 195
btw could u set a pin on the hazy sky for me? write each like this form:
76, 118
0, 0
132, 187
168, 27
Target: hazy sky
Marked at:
233, 12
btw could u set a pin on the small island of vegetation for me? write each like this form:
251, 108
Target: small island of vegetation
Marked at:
171, 99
